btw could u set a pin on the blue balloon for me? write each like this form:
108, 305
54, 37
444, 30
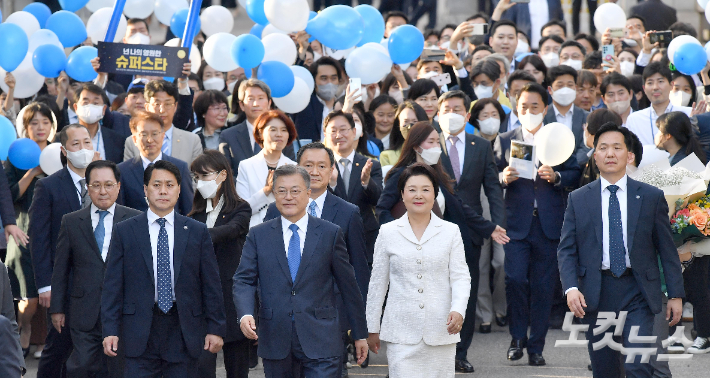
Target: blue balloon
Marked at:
255, 11
374, 29
256, 30
79, 64
277, 76
178, 22
49, 60
339, 27
506, 109
521, 56
248, 51
312, 14
68, 27
13, 46
40, 11
24, 153
405, 44
72, 5
690, 58
8, 134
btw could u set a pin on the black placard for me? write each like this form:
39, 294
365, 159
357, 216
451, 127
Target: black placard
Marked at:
149, 60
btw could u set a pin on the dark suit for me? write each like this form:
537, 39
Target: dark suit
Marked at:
228, 236
298, 319
309, 121
520, 14
133, 195
235, 144
658, 16
7, 209
113, 144
156, 342
703, 132
530, 256
78, 254
118, 123
580, 263
364, 198
579, 118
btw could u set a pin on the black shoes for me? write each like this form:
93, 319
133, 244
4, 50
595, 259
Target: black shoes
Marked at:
515, 351
484, 328
536, 359
464, 366
501, 320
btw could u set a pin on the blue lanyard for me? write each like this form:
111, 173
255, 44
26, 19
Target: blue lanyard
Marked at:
650, 117
98, 141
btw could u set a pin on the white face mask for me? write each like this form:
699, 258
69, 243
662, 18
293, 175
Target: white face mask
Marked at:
80, 159
531, 121
316, 56
452, 123
397, 96
230, 86
619, 107
489, 126
358, 130
627, 68
576, 64
564, 96
90, 113
216, 83
327, 91
679, 98
522, 48
138, 39
431, 156
551, 60
208, 189
483, 92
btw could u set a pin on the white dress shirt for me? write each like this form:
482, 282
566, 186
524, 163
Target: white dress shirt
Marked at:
513, 122
539, 15
326, 111
565, 119
153, 230
302, 227
350, 157
147, 162
621, 194
643, 122
460, 147
76, 178
73, 118
98, 143
108, 226
252, 141
386, 141
320, 202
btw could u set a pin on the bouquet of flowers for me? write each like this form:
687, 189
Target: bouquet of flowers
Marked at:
691, 223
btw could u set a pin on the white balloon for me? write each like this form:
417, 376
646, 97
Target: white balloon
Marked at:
25, 20
31, 81
279, 47
94, 5
50, 160
554, 143
707, 13
609, 15
370, 64
138, 9
296, 100
291, 15
98, 24
164, 9
43, 37
218, 52
216, 19
679, 41
338, 54
195, 56
271, 29
703, 4
305, 75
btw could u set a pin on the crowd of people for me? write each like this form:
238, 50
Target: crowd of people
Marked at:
403, 221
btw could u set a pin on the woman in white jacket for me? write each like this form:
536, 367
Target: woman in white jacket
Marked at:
273, 131
420, 258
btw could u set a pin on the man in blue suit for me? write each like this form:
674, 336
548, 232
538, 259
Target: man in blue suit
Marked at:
535, 208
161, 288
327, 74
148, 135
521, 15
89, 107
61, 193
295, 261
615, 230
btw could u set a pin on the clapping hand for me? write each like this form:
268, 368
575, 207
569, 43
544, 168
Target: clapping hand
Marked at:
365, 175
352, 97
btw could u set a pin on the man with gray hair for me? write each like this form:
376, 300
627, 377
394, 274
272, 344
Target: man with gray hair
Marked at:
238, 143
298, 314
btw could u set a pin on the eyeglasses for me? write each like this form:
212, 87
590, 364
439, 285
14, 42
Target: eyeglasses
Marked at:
202, 176
281, 193
96, 187
153, 136
218, 109
343, 131
160, 106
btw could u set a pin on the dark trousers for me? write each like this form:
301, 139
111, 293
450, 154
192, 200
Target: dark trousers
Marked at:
236, 360
390, 5
530, 277
166, 354
577, 9
88, 358
297, 361
11, 362
424, 6
620, 294
695, 280
469, 322
57, 348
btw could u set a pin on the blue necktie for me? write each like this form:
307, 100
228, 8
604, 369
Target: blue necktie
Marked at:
312, 209
100, 232
617, 252
165, 286
165, 146
294, 252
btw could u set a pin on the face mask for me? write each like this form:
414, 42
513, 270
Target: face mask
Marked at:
230, 86
80, 159
531, 121
522, 48
551, 60
564, 96
627, 68
680, 98
216, 83
397, 95
358, 130
576, 64
208, 189
619, 107
138, 39
452, 123
365, 96
431, 156
489, 126
327, 91
483, 92
316, 56
90, 114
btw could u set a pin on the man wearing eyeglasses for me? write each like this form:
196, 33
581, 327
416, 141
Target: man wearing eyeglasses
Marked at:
148, 134
82, 248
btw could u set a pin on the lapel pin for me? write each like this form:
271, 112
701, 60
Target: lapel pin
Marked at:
473, 143
357, 164
637, 197
185, 227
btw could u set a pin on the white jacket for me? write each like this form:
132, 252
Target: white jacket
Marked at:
427, 279
250, 185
